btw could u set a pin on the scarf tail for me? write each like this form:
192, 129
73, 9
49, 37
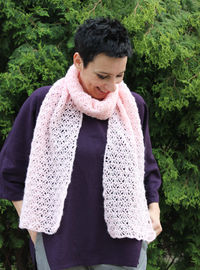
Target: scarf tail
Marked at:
125, 205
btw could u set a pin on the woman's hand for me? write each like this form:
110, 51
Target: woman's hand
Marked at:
154, 211
18, 207
33, 236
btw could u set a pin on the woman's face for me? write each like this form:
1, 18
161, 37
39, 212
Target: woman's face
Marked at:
101, 75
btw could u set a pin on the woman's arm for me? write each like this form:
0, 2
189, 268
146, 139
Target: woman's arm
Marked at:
18, 207
152, 179
154, 211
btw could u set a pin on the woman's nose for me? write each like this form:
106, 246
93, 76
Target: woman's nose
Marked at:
110, 86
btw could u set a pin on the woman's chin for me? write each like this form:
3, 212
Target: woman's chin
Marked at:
99, 94
96, 93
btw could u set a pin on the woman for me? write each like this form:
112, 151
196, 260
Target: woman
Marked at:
88, 192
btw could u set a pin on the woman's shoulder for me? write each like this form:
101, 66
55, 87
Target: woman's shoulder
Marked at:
139, 99
34, 101
141, 104
40, 93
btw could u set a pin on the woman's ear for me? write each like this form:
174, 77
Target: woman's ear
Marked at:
78, 62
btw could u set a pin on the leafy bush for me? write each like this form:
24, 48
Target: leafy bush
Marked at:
36, 49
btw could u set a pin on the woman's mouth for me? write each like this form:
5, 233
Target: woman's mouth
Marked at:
101, 91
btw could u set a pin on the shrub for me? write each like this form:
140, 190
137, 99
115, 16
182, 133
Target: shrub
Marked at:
36, 49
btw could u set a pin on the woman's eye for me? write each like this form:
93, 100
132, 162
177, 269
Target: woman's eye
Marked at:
101, 76
107, 77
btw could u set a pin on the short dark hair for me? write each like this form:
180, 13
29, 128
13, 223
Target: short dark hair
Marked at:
102, 35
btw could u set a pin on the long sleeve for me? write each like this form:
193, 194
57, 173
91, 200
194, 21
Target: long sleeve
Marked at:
14, 156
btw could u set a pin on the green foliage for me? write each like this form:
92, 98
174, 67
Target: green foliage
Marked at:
14, 248
36, 49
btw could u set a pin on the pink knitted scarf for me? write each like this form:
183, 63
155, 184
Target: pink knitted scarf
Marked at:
53, 151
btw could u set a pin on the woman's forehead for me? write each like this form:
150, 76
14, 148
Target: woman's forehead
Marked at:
108, 65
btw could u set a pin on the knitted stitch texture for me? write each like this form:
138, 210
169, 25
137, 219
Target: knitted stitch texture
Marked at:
53, 151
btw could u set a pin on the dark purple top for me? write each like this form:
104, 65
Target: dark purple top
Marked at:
82, 238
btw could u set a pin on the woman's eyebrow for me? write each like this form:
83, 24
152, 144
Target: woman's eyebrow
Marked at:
103, 72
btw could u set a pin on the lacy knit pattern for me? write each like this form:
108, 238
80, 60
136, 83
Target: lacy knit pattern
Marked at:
53, 151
